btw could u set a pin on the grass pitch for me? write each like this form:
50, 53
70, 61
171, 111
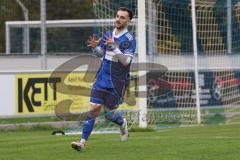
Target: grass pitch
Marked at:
218, 142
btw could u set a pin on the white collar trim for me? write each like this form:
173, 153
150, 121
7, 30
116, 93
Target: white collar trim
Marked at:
119, 34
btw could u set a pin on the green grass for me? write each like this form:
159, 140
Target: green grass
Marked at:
213, 142
28, 120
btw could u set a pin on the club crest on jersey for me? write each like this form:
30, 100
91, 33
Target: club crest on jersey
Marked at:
125, 45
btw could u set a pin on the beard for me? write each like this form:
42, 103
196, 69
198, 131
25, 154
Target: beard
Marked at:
119, 26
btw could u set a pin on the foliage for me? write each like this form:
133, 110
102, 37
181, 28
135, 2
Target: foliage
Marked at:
56, 10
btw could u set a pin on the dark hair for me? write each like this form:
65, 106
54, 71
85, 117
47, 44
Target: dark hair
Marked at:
130, 13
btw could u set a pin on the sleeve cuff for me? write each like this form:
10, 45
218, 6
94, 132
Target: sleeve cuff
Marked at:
98, 50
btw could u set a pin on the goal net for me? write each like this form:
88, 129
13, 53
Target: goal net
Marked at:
217, 24
171, 98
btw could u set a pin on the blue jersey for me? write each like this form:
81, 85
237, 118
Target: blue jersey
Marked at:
113, 75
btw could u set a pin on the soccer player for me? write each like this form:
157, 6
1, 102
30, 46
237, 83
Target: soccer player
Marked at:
117, 49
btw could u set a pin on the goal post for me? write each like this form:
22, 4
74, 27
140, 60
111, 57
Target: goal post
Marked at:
155, 41
195, 53
142, 50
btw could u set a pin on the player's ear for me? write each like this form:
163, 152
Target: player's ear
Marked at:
129, 19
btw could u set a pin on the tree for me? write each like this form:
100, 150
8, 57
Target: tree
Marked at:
56, 10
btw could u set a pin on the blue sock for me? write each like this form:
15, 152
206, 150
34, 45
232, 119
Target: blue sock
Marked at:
115, 117
87, 126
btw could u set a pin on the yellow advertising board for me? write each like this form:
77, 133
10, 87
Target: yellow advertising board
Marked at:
41, 93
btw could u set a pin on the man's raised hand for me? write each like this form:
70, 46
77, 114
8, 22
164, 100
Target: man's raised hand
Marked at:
93, 42
110, 42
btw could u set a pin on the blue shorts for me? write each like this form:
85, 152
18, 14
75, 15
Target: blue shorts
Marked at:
108, 98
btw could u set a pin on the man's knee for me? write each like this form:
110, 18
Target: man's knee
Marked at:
95, 111
108, 114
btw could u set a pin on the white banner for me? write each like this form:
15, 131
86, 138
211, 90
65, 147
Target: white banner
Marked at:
7, 95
